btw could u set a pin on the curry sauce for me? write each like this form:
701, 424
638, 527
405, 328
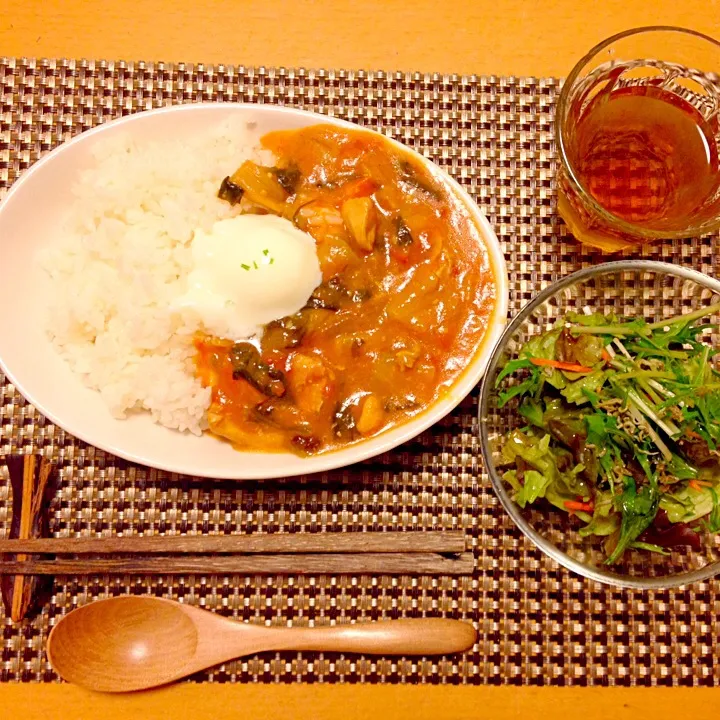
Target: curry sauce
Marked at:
406, 296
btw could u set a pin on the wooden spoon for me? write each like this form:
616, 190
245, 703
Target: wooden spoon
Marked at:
133, 643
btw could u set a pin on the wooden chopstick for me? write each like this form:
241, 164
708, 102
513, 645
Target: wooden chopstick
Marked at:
413, 542
389, 553
416, 563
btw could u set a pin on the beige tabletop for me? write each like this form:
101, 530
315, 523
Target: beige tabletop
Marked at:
498, 37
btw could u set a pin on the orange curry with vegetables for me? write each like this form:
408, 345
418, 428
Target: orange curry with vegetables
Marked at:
406, 295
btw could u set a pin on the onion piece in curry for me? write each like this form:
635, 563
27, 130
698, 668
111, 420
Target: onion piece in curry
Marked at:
406, 296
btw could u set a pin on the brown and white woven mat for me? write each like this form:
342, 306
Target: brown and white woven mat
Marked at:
537, 623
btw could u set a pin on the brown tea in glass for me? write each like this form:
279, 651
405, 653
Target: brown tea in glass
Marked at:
638, 133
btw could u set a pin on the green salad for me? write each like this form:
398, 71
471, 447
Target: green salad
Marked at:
622, 429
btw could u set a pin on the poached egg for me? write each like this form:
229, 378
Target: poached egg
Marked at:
246, 272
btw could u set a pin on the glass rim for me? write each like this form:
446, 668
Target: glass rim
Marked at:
662, 582
614, 221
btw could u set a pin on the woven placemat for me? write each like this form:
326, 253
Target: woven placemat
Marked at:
537, 624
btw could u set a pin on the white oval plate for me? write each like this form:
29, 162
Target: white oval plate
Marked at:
28, 216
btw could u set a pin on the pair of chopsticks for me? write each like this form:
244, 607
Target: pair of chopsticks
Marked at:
390, 553
29, 553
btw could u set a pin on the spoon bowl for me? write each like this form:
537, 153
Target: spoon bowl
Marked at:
133, 643
145, 640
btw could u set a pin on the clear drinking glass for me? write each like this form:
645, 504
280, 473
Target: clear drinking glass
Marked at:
638, 133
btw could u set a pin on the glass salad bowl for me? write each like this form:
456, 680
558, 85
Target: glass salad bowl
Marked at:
648, 290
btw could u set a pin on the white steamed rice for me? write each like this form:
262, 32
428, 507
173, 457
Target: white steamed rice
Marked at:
123, 257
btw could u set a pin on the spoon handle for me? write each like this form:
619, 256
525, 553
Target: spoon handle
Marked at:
427, 636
